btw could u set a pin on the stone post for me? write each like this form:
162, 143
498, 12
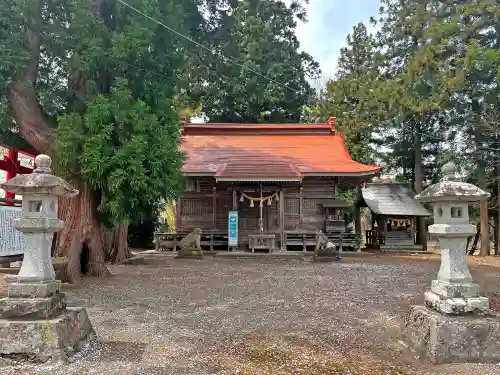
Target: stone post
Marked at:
456, 325
34, 321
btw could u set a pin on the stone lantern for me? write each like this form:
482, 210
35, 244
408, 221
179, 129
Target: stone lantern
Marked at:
40, 191
34, 320
456, 325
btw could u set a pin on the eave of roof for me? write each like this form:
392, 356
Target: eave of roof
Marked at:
274, 152
392, 199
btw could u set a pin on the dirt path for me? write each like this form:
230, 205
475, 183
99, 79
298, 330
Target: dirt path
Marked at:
256, 317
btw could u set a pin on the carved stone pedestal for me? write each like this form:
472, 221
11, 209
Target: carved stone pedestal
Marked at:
449, 339
36, 326
326, 251
190, 253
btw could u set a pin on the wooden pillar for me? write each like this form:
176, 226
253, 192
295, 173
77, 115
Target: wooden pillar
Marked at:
357, 212
281, 216
178, 216
301, 207
385, 229
412, 229
335, 186
235, 200
214, 208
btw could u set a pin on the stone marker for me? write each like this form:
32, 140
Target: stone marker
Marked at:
456, 325
35, 324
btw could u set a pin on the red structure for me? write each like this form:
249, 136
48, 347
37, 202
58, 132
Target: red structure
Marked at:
11, 164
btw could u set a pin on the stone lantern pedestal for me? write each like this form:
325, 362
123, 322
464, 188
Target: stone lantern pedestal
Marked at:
456, 325
35, 323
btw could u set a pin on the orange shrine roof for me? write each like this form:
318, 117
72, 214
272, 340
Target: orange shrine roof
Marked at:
267, 152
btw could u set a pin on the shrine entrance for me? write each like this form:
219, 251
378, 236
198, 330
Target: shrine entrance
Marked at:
258, 216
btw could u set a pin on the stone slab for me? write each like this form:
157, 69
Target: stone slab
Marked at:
296, 255
190, 254
45, 341
454, 290
32, 308
457, 306
325, 258
34, 290
452, 339
135, 260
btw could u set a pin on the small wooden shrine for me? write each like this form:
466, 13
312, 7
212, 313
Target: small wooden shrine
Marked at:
394, 213
281, 179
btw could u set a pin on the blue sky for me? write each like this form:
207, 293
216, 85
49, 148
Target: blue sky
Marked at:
329, 23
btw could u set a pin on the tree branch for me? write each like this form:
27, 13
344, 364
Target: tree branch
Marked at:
29, 117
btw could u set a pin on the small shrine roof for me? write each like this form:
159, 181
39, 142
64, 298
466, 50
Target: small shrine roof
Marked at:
392, 199
267, 152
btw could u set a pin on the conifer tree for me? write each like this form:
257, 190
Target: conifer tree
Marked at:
93, 83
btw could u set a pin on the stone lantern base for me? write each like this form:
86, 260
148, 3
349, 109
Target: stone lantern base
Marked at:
450, 338
36, 326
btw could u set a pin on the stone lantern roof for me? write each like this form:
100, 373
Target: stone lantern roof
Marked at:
40, 182
452, 189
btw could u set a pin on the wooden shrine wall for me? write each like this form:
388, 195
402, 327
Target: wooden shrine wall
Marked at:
195, 209
301, 207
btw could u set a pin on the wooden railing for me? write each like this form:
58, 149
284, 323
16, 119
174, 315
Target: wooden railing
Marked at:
307, 240
170, 240
373, 237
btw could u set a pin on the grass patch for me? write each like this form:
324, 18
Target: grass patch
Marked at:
257, 357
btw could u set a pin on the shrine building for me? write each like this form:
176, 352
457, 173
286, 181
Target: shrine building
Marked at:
281, 180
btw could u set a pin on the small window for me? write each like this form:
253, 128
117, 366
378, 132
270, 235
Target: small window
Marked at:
440, 211
192, 186
456, 212
35, 206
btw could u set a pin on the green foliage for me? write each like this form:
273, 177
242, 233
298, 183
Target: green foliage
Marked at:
264, 78
109, 80
426, 87
124, 150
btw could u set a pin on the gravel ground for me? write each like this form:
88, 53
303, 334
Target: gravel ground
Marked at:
255, 317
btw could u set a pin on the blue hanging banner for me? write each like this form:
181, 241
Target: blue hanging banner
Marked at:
233, 228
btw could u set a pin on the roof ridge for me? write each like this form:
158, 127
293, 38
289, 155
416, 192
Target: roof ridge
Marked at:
257, 129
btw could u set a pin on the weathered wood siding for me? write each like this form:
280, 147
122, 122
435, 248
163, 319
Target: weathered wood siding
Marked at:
313, 190
208, 207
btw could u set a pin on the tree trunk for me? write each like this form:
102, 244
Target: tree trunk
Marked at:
115, 240
80, 240
481, 179
116, 243
497, 217
476, 239
418, 184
